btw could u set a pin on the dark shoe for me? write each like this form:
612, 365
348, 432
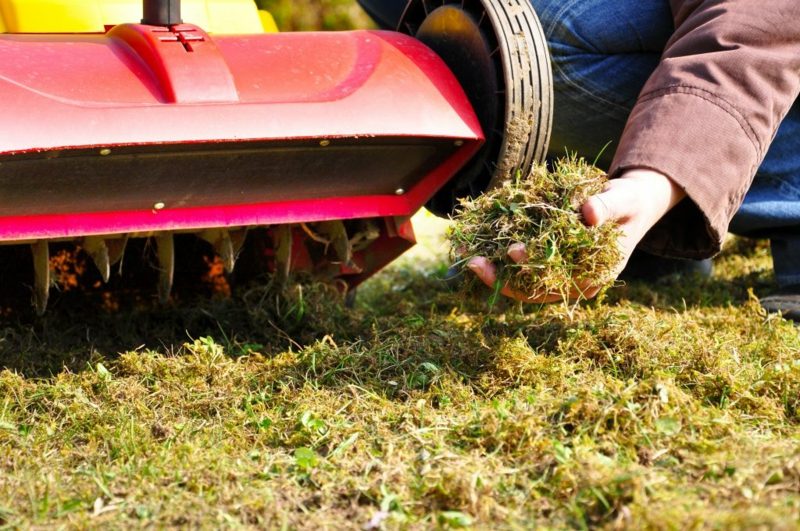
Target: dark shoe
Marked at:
786, 302
648, 267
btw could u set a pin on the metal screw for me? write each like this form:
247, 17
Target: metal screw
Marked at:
105, 152
159, 206
399, 191
324, 143
458, 143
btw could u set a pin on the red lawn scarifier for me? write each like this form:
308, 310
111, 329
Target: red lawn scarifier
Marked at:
331, 139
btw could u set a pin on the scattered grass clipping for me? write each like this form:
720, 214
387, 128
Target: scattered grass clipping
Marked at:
542, 211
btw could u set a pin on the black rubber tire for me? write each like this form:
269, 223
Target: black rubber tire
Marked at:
520, 134
529, 85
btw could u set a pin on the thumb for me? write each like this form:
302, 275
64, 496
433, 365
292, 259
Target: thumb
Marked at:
614, 204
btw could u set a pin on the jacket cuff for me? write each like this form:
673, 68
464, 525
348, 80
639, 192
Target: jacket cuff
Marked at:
705, 146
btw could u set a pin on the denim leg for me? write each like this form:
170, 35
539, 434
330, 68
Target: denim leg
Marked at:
771, 208
603, 53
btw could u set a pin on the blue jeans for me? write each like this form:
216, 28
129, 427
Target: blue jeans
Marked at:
603, 53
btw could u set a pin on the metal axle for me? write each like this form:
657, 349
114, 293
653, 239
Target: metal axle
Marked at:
162, 12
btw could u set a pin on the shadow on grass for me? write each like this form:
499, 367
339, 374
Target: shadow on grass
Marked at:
681, 293
87, 319
407, 326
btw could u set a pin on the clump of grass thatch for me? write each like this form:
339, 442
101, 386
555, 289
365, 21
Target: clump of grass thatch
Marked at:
542, 211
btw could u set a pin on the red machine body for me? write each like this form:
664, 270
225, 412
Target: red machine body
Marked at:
146, 129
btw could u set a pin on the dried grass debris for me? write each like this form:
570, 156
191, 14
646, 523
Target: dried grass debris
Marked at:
542, 211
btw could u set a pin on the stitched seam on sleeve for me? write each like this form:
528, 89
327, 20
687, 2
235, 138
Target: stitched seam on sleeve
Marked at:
715, 100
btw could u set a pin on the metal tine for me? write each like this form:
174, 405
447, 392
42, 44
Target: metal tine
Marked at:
217, 238
116, 250
363, 238
224, 248
97, 249
337, 234
283, 250
165, 248
227, 245
41, 272
105, 253
238, 238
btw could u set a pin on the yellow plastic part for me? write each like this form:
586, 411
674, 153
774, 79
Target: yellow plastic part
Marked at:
268, 22
93, 16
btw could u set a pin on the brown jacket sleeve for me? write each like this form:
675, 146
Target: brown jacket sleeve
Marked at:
707, 115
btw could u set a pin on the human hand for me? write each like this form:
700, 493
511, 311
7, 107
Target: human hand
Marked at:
636, 201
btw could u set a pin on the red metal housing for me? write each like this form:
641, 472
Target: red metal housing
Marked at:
146, 129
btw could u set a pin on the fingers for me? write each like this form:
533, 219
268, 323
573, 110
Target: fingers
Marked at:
595, 211
517, 253
483, 269
486, 271
616, 203
585, 291
641, 193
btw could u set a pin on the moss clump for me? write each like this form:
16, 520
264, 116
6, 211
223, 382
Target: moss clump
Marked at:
541, 211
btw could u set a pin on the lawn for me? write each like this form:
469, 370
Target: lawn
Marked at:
666, 406
669, 406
